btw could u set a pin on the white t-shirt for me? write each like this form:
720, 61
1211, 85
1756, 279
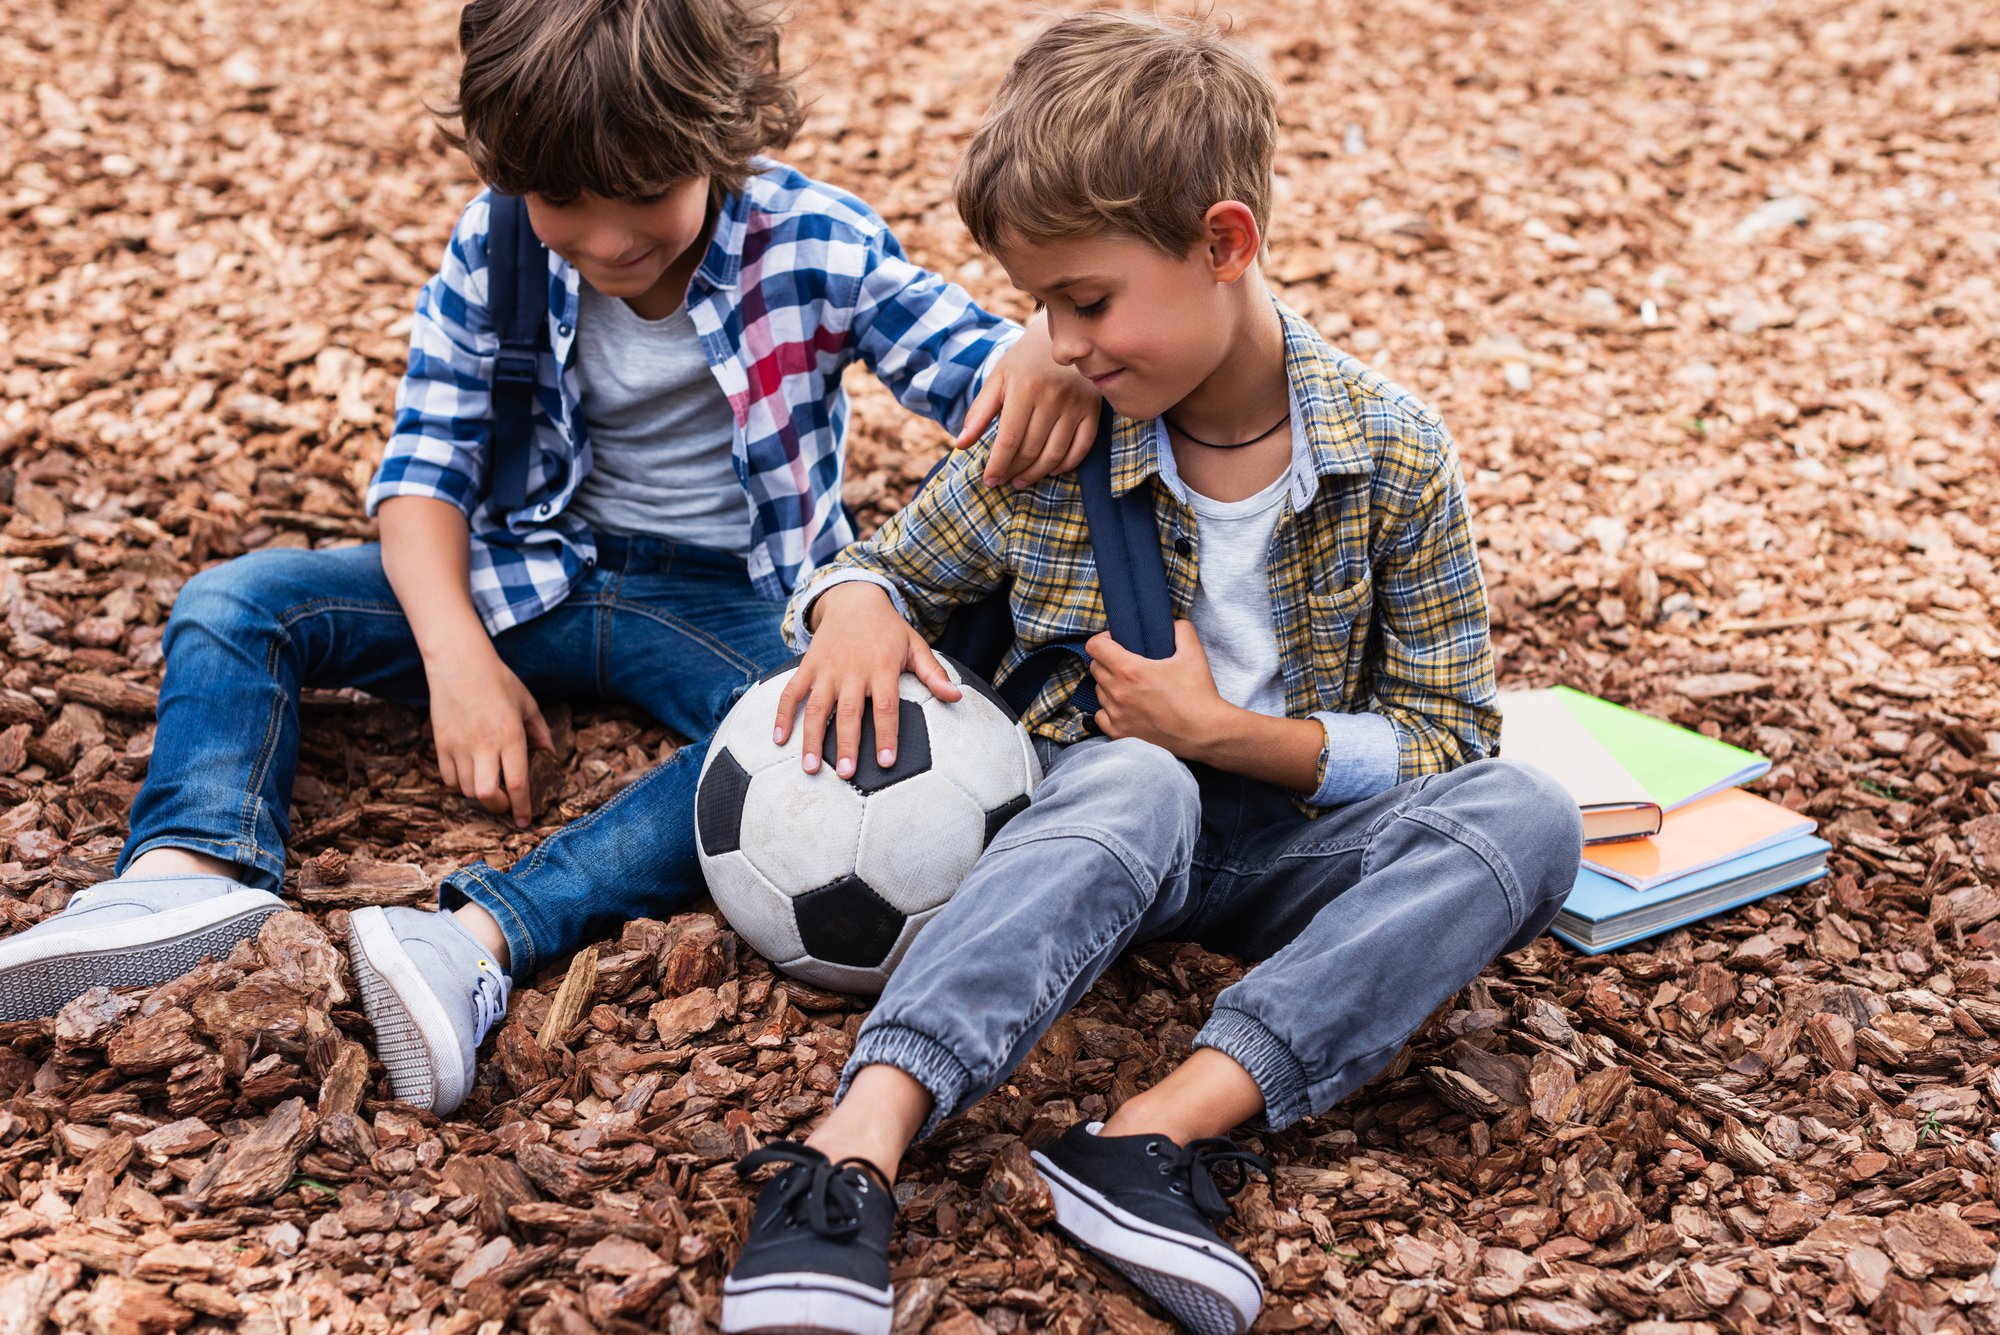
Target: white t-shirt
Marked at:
661, 432
1232, 592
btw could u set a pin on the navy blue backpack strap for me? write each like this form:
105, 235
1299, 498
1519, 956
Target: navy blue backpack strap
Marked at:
518, 300
1131, 573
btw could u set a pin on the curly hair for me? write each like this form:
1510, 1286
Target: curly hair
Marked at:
618, 98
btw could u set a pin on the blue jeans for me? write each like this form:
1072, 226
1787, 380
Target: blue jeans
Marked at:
1366, 919
672, 629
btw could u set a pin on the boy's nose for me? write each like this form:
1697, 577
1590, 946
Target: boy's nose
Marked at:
1067, 348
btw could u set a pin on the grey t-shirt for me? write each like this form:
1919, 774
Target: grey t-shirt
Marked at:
1232, 595
661, 432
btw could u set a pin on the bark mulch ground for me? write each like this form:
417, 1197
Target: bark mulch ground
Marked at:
1707, 294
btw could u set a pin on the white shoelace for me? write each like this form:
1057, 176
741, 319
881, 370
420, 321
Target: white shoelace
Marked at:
489, 1001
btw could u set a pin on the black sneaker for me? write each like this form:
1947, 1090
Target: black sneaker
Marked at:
817, 1258
1149, 1207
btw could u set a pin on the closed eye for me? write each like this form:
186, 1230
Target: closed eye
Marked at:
1095, 308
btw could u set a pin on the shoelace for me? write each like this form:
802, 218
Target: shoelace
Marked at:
825, 1195
489, 1000
1201, 1160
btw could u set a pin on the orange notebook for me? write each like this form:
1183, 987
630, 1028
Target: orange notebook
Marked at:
1698, 836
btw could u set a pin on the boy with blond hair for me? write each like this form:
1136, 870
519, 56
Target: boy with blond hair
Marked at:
1303, 782
683, 443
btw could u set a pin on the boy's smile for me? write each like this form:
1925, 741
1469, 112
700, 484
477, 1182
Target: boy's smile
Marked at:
641, 250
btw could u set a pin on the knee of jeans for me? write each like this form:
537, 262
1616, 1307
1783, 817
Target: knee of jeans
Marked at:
1139, 768
232, 597
1534, 820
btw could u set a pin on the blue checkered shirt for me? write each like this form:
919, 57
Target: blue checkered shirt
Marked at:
799, 280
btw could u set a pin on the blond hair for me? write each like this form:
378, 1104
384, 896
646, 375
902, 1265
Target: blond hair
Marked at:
1125, 123
619, 98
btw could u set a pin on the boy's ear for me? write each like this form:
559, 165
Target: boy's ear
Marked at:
1232, 239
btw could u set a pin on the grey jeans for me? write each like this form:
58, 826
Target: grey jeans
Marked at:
1365, 919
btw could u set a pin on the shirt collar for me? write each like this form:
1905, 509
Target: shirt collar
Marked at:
1326, 432
723, 262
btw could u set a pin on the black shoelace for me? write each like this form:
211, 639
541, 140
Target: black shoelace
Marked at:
825, 1196
1201, 1161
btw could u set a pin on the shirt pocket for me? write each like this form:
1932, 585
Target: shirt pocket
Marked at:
1340, 623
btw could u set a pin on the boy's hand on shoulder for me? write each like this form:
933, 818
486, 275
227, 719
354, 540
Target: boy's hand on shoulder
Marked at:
483, 721
1170, 702
861, 647
1048, 413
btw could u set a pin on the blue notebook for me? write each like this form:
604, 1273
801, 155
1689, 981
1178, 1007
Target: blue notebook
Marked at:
1601, 914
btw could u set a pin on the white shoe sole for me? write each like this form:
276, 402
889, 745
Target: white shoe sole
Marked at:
413, 1036
805, 1304
1209, 1289
41, 974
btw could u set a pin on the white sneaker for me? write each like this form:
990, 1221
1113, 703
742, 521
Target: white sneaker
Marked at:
431, 992
126, 933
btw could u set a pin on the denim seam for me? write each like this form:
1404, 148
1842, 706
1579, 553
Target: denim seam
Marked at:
515, 967
692, 632
1134, 866
220, 847
284, 622
1066, 970
1496, 861
606, 608
535, 859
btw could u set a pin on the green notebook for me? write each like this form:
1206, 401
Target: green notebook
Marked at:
1673, 765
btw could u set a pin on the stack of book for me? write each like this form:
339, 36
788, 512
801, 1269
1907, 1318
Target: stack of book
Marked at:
1669, 836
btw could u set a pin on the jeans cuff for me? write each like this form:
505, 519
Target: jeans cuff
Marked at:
1280, 1076
470, 885
923, 1058
257, 869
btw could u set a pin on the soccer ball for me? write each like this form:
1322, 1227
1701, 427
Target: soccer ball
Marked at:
829, 878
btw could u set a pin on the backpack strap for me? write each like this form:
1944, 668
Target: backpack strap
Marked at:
517, 297
1131, 574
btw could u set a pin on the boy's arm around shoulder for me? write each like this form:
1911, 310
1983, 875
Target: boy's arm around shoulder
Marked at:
923, 335
444, 405
1433, 658
947, 547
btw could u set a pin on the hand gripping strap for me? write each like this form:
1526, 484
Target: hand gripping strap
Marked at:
1132, 575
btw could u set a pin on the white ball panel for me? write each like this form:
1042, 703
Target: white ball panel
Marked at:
746, 731
835, 977
754, 907
979, 748
919, 839
800, 829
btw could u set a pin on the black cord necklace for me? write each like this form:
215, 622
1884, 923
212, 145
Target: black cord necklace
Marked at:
1213, 445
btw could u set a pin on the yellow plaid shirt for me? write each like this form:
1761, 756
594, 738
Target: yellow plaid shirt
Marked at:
1376, 594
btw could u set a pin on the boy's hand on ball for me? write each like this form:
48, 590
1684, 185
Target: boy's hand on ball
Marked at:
860, 648
483, 721
1171, 702
1048, 413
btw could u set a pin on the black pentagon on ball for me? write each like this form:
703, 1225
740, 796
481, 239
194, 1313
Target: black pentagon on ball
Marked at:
1003, 813
913, 749
848, 923
718, 804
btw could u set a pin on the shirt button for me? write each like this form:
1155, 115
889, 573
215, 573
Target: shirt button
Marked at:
1183, 547
563, 329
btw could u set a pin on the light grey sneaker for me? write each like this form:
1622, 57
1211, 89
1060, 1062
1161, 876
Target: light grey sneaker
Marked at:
126, 933
431, 992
